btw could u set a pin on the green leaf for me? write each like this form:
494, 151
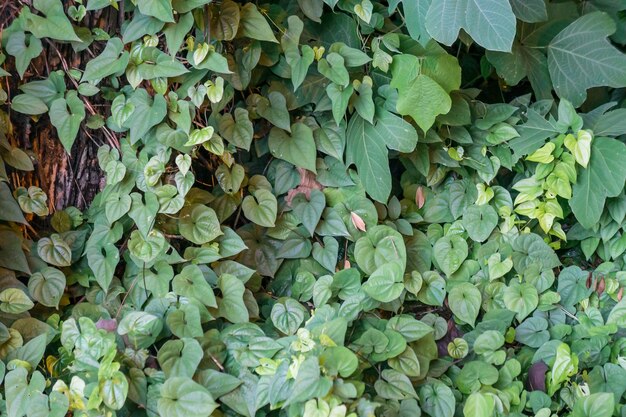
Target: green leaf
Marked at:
116, 206
55, 25
298, 60
144, 215
142, 328
190, 282
581, 57
274, 110
385, 284
111, 61
161, 9
479, 221
479, 405
565, 365
287, 315
437, 399
231, 305
239, 130
395, 386
199, 224
24, 48
530, 11
521, 298
366, 149
419, 96
333, 67
380, 245
261, 208
326, 255
464, 300
182, 397
27, 104
180, 358
491, 23
449, 253
66, 114
297, 148
14, 301
54, 250
148, 113
309, 210
600, 404
253, 25
47, 286
604, 177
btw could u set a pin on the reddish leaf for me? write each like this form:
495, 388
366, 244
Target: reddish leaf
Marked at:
419, 197
357, 221
537, 376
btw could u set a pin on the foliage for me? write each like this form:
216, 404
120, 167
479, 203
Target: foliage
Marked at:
317, 208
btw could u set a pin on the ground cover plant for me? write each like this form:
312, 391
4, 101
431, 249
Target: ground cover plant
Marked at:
337, 208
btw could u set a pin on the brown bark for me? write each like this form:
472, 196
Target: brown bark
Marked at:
68, 179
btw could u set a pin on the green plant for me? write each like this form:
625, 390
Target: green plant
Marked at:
309, 209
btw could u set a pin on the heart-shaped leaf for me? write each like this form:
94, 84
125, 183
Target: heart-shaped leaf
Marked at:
261, 208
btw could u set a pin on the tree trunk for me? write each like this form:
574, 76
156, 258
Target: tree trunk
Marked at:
68, 179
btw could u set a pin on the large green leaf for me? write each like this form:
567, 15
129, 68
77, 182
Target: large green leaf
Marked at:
604, 177
464, 300
199, 224
161, 9
182, 397
66, 114
479, 221
191, 283
111, 61
491, 23
385, 284
55, 250
47, 286
297, 147
581, 57
231, 305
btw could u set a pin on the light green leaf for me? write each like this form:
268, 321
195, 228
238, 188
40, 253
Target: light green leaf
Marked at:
599, 404
239, 130
180, 358
231, 305
287, 315
199, 224
420, 96
192, 284
581, 57
23, 51
450, 252
479, 221
161, 9
491, 23
309, 210
28, 104
261, 208
464, 300
479, 405
182, 397
385, 284
14, 301
521, 298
